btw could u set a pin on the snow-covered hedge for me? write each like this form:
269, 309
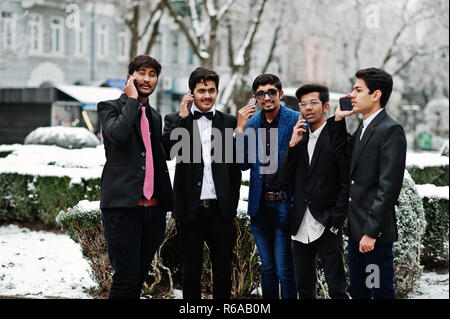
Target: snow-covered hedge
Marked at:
63, 136
428, 168
411, 228
435, 243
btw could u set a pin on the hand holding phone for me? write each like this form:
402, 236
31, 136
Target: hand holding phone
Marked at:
245, 113
186, 104
130, 88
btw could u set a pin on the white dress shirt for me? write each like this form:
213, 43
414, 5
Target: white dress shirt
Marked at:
205, 129
367, 121
310, 229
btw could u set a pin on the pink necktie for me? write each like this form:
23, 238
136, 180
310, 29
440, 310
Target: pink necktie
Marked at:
149, 171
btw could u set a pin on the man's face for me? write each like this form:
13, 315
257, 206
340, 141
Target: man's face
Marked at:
312, 108
147, 79
362, 100
205, 95
268, 97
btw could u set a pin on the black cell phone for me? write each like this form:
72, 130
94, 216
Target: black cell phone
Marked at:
135, 83
190, 102
346, 104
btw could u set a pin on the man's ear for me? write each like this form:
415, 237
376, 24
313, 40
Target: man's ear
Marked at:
128, 76
377, 95
326, 107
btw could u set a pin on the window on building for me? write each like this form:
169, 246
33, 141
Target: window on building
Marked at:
80, 40
102, 41
122, 44
36, 33
8, 30
57, 38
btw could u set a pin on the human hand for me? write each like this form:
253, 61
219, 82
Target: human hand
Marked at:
130, 89
184, 106
244, 114
367, 244
298, 131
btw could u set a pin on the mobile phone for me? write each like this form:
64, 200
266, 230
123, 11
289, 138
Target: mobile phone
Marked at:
135, 82
190, 102
253, 102
346, 104
307, 124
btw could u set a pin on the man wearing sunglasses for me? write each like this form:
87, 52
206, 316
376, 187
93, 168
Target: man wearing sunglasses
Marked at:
269, 203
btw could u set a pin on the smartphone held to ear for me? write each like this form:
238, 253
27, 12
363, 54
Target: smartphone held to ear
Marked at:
307, 124
346, 104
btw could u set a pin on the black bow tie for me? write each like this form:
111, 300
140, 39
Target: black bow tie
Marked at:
208, 115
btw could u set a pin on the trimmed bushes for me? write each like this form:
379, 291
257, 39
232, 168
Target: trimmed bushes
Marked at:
437, 175
40, 198
435, 241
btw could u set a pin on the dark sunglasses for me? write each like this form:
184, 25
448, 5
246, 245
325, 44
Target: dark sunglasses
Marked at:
261, 94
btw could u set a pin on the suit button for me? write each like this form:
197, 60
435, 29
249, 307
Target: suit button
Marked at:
143, 154
143, 168
353, 182
350, 199
199, 184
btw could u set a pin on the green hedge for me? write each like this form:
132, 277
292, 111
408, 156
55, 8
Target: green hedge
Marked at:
435, 241
41, 198
437, 175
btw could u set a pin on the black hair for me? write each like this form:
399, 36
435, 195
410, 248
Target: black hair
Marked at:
146, 61
377, 79
265, 79
202, 75
324, 92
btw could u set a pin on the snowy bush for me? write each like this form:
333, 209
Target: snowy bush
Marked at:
82, 224
437, 175
63, 136
435, 252
411, 228
40, 198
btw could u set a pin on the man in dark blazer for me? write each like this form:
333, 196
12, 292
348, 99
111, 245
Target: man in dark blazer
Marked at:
318, 172
206, 184
135, 190
378, 154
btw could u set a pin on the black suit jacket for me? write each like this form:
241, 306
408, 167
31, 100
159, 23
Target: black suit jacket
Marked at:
323, 185
123, 175
376, 174
189, 176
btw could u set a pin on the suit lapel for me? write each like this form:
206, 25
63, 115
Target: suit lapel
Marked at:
319, 144
361, 144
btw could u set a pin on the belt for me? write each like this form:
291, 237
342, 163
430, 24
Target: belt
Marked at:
272, 196
208, 203
148, 202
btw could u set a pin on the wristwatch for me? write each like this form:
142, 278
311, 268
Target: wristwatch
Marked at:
334, 230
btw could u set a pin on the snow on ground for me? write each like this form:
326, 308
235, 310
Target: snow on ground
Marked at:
431, 286
42, 265
425, 159
46, 265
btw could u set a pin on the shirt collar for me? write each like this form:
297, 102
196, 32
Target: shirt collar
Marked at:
317, 132
195, 108
367, 121
275, 120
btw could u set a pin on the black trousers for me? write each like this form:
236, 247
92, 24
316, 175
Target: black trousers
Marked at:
329, 248
209, 226
132, 237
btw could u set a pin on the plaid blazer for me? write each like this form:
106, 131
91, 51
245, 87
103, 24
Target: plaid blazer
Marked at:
288, 119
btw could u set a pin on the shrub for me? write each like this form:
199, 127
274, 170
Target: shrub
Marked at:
437, 175
435, 242
411, 228
444, 149
63, 136
82, 224
40, 198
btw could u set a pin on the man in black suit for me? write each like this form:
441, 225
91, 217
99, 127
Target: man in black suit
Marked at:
206, 185
319, 174
135, 190
376, 176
